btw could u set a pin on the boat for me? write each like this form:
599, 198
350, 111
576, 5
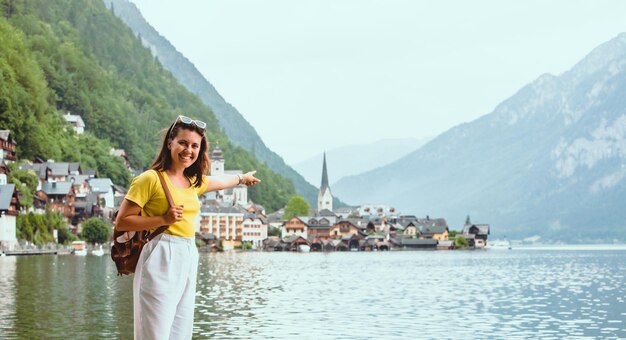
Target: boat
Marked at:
498, 244
98, 252
79, 248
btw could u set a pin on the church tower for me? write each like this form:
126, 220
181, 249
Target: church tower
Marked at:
324, 197
217, 166
217, 162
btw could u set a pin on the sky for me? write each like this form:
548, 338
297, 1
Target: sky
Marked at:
315, 75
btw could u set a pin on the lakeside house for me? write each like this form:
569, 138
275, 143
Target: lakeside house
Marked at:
476, 234
9, 209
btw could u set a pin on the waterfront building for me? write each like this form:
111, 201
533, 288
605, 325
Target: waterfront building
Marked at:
295, 226
253, 230
344, 228
476, 234
437, 232
324, 197
9, 209
223, 221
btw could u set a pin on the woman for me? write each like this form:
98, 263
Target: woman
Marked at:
164, 285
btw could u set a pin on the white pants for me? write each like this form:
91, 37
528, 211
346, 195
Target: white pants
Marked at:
164, 288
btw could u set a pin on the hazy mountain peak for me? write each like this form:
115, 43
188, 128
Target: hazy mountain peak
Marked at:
550, 160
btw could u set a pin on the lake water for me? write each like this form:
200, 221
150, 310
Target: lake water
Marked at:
573, 292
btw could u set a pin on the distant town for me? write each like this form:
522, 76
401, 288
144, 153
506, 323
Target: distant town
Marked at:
228, 220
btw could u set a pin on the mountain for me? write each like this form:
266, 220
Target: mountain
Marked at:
549, 161
355, 159
238, 130
76, 56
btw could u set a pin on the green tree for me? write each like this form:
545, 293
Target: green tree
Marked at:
461, 242
96, 230
64, 235
452, 234
274, 232
297, 205
26, 183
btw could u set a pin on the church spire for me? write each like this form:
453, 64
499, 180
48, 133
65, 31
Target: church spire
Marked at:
324, 197
324, 176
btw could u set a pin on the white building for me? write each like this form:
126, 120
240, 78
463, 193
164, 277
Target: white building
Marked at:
235, 195
254, 231
9, 209
103, 187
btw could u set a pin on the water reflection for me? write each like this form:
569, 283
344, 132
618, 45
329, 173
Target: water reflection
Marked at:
7, 295
509, 294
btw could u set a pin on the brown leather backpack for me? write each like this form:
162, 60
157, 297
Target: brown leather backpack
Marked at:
127, 245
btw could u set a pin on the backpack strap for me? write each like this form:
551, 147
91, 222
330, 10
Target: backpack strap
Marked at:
170, 200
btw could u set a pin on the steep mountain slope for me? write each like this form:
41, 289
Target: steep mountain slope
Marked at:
355, 159
239, 131
549, 161
76, 56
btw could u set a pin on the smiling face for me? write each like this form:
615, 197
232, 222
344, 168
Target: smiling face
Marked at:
184, 148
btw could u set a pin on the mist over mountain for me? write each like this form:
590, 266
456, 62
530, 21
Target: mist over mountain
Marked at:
234, 125
356, 159
548, 161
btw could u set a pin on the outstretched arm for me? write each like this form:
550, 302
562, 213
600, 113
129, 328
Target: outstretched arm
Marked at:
228, 181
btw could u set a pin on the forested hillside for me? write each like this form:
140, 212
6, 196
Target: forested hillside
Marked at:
76, 56
231, 121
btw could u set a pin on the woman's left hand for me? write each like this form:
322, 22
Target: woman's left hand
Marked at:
249, 179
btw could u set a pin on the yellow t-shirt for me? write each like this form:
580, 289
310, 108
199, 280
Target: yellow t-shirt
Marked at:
147, 192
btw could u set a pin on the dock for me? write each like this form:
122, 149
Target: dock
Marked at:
30, 252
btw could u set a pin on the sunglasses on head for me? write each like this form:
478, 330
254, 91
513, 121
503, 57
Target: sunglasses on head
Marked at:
188, 121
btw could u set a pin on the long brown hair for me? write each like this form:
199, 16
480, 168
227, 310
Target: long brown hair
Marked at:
195, 171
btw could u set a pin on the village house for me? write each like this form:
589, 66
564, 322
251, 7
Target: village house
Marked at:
52, 171
9, 209
75, 122
105, 195
476, 234
439, 232
275, 220
59, 196
344, 228
411, 228
295, 226
7, 147
319, 228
